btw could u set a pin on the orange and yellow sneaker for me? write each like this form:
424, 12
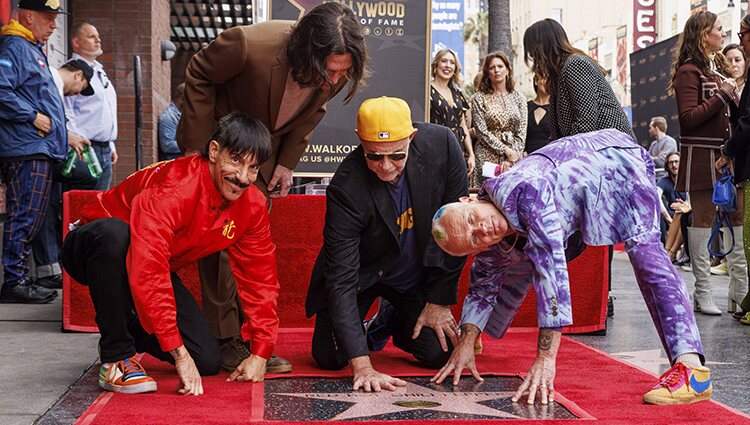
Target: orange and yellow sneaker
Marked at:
126, 376
681, 384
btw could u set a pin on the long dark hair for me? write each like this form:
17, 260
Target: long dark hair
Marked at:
692, 47
485, 85
328, 29
546, 47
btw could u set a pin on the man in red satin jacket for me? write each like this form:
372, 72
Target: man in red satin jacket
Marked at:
134, 237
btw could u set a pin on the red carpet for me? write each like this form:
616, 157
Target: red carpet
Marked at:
297, 229
593, 385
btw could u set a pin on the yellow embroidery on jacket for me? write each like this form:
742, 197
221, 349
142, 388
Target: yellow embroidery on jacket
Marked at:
228, 231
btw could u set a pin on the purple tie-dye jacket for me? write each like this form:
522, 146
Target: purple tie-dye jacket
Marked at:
598, 183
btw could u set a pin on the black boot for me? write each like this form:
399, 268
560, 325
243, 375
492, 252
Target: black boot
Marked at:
50, 282
26, 292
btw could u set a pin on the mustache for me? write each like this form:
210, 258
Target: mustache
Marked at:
236, 182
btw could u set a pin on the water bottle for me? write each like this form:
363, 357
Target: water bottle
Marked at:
70, 163
89, 156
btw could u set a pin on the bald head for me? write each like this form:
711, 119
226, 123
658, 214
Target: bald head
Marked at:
85, 40
445, 229
469, 226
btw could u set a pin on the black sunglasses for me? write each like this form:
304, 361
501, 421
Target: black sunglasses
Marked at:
395, 156
742, 34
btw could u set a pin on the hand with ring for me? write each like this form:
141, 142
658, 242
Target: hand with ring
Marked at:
541, 376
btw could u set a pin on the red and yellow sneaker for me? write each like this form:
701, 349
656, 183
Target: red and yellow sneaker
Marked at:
126, 376
681, 384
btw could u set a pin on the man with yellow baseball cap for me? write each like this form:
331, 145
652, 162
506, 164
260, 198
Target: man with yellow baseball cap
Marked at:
377, 244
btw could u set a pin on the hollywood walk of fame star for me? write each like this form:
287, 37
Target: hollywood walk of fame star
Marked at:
411, 397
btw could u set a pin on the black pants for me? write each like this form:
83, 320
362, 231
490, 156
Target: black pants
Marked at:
425, 348
94, 255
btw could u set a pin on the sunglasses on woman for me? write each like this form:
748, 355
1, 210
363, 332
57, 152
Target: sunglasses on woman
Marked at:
377, 156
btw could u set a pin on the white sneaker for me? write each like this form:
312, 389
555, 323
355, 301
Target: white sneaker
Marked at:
720, 269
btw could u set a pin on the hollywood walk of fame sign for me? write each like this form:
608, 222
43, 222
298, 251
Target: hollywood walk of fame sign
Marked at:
326, 399
398, 48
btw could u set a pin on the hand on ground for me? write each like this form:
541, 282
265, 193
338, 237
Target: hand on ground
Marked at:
461, 358
190, 378
370, 379
540, 379
252, 369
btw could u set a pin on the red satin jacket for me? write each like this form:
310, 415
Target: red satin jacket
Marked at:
176, 216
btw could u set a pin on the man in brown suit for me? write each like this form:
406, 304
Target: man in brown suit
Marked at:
283, 74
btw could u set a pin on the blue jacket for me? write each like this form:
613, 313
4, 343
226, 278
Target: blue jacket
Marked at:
27, 87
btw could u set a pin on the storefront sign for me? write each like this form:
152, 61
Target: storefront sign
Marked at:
644, 23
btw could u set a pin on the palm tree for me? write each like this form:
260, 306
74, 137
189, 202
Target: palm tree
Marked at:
499, 27
475, 32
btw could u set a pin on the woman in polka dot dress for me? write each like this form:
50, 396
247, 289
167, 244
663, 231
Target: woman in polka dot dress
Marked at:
499, 115
581, 99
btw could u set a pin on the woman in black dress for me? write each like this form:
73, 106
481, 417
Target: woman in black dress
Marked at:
537, 131
448, 105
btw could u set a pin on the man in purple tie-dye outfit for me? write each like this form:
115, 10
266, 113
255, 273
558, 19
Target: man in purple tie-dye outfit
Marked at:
595, 189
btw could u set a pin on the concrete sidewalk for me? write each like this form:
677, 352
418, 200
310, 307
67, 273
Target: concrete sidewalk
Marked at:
39, 364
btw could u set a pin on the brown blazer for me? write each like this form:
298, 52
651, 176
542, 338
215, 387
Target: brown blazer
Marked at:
703, 109
245, 69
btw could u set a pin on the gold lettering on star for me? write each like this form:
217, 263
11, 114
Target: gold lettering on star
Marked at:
417, 403
53, 4
228, 231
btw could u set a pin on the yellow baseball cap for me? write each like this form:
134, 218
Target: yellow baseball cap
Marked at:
384, 119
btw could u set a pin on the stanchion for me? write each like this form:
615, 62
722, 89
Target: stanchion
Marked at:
138, 113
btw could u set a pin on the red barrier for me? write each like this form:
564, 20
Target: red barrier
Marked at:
297, 230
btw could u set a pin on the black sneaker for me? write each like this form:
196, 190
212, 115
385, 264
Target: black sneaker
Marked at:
50, 282
26, 292
44, 290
